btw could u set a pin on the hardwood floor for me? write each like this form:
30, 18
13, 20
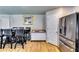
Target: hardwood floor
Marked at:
32, 47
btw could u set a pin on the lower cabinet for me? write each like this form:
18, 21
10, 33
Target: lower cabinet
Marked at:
38, 36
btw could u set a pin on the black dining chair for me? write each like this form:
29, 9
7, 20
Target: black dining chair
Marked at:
13, 36
19, 37
25, 36
28, 29
6, 37
28, 36
0, 38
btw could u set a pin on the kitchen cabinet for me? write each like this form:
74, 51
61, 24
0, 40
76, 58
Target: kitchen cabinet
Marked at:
38, 36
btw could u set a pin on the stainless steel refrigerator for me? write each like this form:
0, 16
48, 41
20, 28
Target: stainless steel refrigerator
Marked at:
69, 33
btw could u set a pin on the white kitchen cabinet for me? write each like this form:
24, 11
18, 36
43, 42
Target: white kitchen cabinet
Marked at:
38, 36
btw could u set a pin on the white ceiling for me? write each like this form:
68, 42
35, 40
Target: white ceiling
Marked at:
25, 9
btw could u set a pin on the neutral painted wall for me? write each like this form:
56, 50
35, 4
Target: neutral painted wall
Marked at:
4, 21
17, 21
38, 22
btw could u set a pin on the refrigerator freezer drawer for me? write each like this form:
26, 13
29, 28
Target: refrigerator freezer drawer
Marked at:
65, 48
68, 42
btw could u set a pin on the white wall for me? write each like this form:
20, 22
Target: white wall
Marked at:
4, 21
17, 21
39, 21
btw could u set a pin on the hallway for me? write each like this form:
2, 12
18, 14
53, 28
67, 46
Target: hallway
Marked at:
32, 47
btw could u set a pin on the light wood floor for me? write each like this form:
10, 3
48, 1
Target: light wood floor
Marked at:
32, 47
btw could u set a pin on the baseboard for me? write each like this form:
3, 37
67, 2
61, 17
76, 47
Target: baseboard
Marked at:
38, 40
52, 44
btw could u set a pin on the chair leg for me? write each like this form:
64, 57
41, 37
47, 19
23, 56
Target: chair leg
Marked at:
4, 45
15, 45
1, 43
22, 45
11, 45
24, 41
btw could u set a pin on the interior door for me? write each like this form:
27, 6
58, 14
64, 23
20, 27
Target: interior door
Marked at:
52, 29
